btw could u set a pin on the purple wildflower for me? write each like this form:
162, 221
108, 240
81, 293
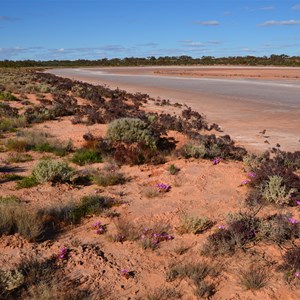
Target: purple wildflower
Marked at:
297, 274
216, 160
293, 221
97, 224
163, 187
244, 182
221, 227
251, 175
298, 202
63, 252
125, 273
99, 228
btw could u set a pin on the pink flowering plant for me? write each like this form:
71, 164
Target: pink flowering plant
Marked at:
150, 238
126, 273
63, 252
99, 228
293, 221
244, 182
216, 161
163, 188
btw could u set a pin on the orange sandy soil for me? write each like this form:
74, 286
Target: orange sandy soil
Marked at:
199, 189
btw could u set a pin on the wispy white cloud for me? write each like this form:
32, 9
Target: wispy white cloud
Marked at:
249, 50
190, 43
266, 8
296, 7
12, 52
283, 23
194, 44
207, 23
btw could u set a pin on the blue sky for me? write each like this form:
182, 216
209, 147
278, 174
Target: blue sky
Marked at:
95, 29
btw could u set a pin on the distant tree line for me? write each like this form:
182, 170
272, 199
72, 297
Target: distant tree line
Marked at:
272, 60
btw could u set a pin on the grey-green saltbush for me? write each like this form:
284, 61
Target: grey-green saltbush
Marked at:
275, 191
194, 150
52, 170
130, 130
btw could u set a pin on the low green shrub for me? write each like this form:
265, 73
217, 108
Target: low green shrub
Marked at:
291, 261
27, 182
14, 218
17, 145
13, 123
10, 177
163, 293
194, 225
197, 272
275, 191
38, 141
193, 149
109, 175
90, 205
150, 191
9, 200
173, 169
279, 228
253, 278
241, 228
86, 156
7, 96
130, 130
19, 157
191, 270
126, 230
255, 161
52, 170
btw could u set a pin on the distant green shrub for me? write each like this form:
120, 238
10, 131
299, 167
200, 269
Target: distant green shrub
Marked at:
19, 157
194, 225
163, 293
7, 96
7, 111
173, 169
279, 228
253, 278
14, 218
27, 182
90, 205
52, 170
38, 141
10, 177
198, 273
276, 192
17, 145
213, 151
195, 150
241, 228
11, 124
130, 130
254, 161
9, 200
150, 191
109, 175
86, 156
